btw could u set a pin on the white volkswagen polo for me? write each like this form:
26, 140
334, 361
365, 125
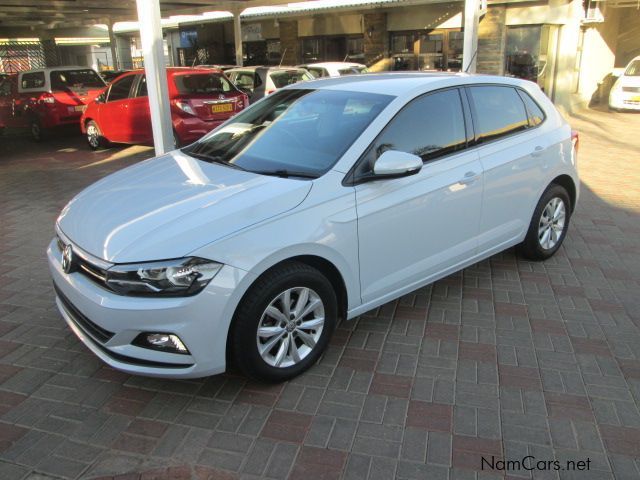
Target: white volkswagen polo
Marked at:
315, 205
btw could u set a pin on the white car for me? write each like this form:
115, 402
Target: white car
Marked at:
334, 69
625, 93
319, 203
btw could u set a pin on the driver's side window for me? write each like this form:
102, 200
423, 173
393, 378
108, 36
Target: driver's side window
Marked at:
430, 126
120, 90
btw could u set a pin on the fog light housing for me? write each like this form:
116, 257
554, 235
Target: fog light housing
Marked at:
164, 342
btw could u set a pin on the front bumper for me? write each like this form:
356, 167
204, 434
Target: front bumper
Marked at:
107, 323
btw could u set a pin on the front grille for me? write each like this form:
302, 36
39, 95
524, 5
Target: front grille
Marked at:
95, 331
88, 269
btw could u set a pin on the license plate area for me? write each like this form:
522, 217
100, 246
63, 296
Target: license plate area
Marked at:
221, 108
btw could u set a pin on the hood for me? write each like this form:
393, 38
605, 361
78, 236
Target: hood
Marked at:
169, 206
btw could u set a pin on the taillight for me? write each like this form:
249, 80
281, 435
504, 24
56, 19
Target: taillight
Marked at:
184, 106
575, 139
242, 102
47, 98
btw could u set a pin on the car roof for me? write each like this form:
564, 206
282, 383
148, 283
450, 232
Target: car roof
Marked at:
399, 83
266, 67
334, 64
52, 69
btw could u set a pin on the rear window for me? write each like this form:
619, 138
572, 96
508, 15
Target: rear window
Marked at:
633, 70
32, 80
204, 83
73, 79
282, 78
499, 111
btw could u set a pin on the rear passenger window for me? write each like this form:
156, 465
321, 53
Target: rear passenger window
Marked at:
120, 90
499, 111
430, 126
33, 80
536, 115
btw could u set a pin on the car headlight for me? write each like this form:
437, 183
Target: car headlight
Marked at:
180, 277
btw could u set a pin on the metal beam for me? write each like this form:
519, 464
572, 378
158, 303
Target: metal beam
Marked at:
471, 18
158, 91
237, 37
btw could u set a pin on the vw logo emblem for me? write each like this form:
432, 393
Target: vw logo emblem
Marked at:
221, 97
67, 258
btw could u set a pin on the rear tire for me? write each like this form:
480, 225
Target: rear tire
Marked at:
549, 224
272, 338
94, 136
38, 133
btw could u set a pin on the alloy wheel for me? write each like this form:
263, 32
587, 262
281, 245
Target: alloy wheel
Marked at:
290, 327
551, 223
93, 136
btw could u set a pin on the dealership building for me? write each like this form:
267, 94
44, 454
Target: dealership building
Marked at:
570, 48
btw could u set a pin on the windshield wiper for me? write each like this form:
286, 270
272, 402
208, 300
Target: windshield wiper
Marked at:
213, 158
285, 173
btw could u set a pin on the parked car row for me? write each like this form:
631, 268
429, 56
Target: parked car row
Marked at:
113, 107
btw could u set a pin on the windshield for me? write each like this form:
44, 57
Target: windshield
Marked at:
282, 78
70, 79
197, 83
633, 70
352, 70
293, 132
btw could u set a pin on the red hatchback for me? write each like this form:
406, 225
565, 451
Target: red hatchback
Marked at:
201, 99
47, 98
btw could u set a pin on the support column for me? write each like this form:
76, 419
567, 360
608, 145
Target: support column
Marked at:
492, 33
375, 38
152, 48
471, 17
113, 44
289, 42
237, 37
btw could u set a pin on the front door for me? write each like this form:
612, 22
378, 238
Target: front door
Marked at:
413, 228
140, 112
115, 119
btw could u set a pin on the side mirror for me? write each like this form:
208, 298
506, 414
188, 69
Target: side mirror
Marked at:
394, 164
101, 98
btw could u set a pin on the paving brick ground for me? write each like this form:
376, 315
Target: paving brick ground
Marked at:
503, 360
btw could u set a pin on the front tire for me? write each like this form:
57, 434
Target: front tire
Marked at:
284, 323
95, 139
549, 224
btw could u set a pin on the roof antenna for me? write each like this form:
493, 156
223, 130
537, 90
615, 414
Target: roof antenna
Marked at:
282, 57
346, 57
466, 70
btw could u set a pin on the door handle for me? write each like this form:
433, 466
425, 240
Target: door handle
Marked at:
469, 178
537, 151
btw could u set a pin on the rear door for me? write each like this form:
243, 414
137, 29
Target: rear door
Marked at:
513, 159
116, 120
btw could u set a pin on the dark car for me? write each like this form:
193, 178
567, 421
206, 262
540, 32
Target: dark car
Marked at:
110, 75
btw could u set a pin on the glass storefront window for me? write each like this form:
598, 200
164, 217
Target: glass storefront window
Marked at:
310, 50
530, 54
523, 51
434, 50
